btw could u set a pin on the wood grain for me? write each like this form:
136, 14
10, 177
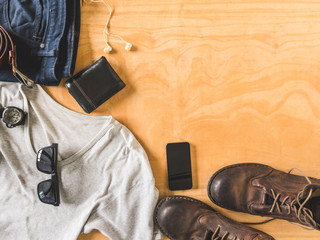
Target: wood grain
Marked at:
237, 79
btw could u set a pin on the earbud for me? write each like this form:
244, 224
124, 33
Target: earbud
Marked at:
128, 46
106, 33
107, 49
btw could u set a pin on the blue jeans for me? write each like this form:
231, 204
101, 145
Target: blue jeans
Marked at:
46, 34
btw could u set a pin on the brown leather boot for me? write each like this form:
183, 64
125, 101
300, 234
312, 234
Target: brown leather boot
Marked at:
185, 218
261, 190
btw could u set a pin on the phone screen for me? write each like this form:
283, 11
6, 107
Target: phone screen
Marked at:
179, 166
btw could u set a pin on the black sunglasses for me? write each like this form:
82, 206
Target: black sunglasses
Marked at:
48, 190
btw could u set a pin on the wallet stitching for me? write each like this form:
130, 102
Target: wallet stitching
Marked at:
85, 95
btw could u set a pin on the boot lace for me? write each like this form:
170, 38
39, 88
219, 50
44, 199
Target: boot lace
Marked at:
210, 235
304, 215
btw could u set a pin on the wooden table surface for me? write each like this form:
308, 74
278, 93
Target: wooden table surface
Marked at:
239, 80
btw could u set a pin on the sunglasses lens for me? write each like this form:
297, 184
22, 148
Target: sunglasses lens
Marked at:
45, 160
46, 192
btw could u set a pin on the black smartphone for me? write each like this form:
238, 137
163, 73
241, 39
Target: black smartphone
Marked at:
179, 166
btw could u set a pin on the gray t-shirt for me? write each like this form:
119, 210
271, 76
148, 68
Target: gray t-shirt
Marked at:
106, 182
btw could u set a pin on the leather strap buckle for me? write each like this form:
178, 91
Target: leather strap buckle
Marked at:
11, 57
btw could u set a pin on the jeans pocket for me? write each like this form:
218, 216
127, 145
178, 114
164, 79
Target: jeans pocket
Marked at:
26, 19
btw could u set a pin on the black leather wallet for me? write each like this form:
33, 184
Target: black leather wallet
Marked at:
94, 85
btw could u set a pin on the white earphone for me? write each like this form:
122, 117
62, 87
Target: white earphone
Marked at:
107, 49
128, 46
106, 32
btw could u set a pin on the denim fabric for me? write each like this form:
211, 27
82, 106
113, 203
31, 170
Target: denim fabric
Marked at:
46, 33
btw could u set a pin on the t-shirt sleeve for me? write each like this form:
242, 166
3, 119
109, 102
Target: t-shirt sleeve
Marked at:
129, 216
